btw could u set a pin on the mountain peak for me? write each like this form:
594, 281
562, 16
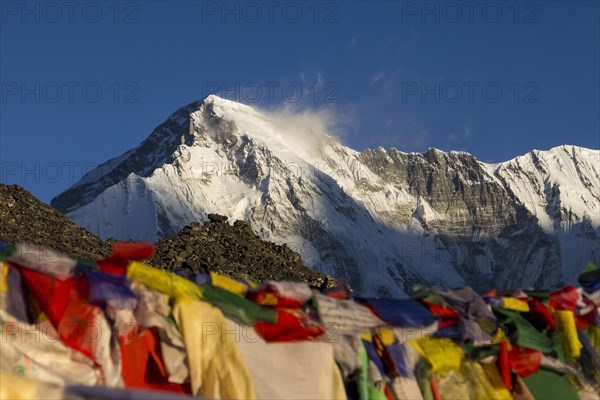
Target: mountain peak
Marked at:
225, 108
380, 220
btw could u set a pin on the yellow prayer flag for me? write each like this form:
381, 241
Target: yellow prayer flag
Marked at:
443, 354
18, 387
3, 277
228, 284
368, 336
387, 336
595, 337
567, 329
163, 281
515, 304
496, 380
501, 337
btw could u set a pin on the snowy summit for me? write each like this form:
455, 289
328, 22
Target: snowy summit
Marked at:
381, 220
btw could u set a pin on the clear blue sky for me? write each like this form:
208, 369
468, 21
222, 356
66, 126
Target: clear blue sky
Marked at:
496, 79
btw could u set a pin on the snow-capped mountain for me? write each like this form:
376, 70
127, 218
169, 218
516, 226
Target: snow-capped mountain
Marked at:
381, 220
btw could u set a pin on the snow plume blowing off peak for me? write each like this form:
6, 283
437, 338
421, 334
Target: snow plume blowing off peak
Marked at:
381, 220
302, 129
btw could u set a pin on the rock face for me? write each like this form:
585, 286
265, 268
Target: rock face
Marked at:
382, 220
232, 250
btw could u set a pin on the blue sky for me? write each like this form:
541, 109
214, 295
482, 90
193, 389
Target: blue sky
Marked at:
84, 83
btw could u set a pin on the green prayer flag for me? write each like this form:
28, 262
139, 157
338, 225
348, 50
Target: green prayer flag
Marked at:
589, 267
237, 308
6, 250
589, 274
538, 294
363, 381
422, 375
527, 335
478, 353
550, 385
375, 394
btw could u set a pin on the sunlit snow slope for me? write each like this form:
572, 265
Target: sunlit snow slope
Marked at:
381, 220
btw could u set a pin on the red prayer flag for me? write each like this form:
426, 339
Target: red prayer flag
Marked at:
564, 299
504, 366
65, 304
443, 312
289, 327
541, 315
143, 366
133, 250
524, 362
435, 390
114, 266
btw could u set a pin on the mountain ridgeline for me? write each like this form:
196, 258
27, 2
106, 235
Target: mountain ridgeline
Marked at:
381, 220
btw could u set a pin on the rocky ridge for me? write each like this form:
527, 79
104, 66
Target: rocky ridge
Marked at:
233, 250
